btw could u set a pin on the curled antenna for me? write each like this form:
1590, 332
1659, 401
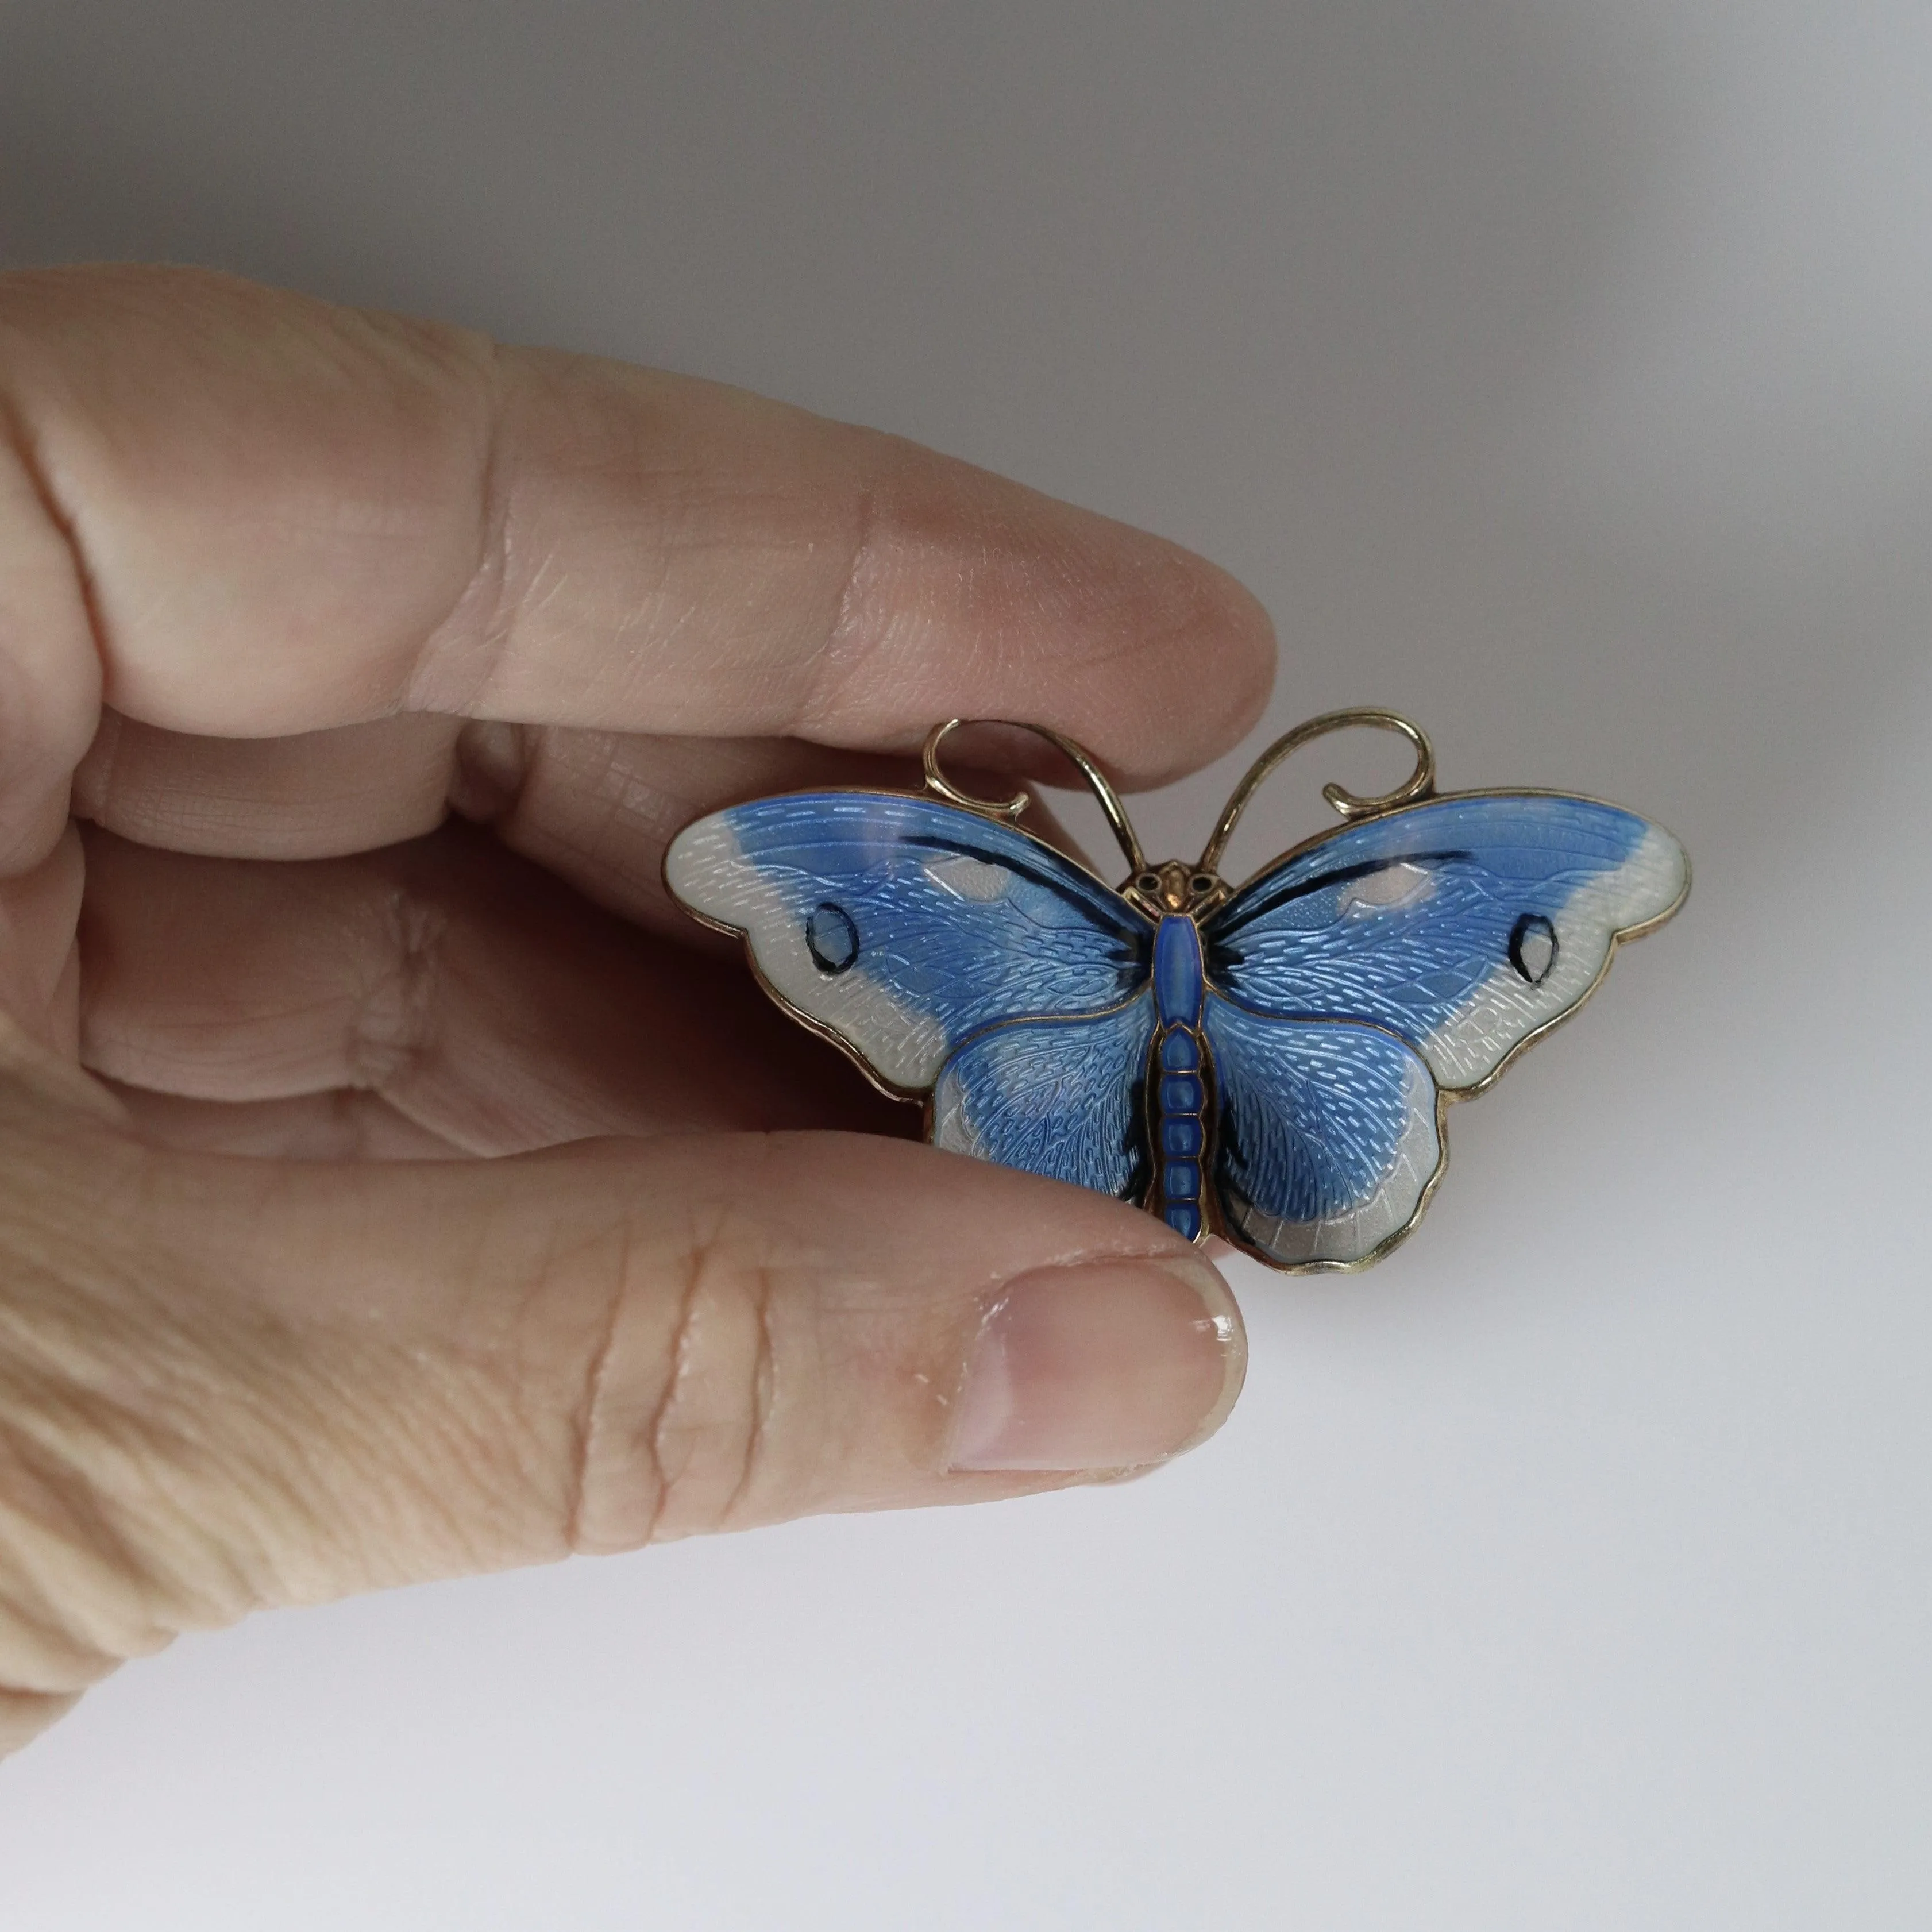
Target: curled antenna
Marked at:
1420, 784
1010, 808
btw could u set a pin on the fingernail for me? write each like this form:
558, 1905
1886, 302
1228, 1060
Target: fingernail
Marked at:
1110, 1365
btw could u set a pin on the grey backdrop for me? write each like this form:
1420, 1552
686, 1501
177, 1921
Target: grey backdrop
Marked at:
1559, 371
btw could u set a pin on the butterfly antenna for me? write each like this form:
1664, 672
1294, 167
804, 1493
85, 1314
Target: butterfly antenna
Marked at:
1420, 784
1010, 808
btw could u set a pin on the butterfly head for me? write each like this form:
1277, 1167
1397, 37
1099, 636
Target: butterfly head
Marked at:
1175, 887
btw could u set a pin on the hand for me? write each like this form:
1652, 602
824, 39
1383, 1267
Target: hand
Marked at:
436, 1197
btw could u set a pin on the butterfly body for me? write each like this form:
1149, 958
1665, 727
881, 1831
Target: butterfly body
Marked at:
1177, 1076
1268, 1063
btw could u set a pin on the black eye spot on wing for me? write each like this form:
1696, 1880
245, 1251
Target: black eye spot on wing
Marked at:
831, 939
1532, 947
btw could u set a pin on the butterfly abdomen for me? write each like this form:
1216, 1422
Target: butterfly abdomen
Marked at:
1177, 1098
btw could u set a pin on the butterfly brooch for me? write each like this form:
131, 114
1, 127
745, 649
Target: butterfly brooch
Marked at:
1268, 1062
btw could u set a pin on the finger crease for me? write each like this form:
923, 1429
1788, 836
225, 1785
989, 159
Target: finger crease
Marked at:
763, 1393
591, 1407
30, 742
25, 447
662, 1420
392, 1026
457, 660
828, 666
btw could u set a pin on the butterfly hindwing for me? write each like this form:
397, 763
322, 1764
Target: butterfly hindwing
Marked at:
1060, 1097
1465, 925
905, 926
1411, 951
1327, 1140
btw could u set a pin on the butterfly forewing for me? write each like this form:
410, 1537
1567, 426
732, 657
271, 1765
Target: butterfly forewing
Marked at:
1406, 956
903, 925
1465, 925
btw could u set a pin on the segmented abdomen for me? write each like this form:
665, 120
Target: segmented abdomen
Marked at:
1177, 1084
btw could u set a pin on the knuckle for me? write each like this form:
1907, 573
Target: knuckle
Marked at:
677, 1437
490, 767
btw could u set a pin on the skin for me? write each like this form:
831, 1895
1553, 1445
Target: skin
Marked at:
393, 1184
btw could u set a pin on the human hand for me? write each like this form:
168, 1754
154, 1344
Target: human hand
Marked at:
436, 1197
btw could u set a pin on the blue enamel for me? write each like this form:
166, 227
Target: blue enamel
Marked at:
1463, 925
1056, 1097
1180, 1052
1180, 1094
1180, 1112
905, 924
1326, 1139
1273, 1070
1178, 972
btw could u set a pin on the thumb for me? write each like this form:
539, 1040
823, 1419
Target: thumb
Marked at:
227, 1384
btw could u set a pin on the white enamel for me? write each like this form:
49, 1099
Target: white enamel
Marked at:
952, 1127
1505, 1008
1395, 885
707, 868
1351, 1237
969, 878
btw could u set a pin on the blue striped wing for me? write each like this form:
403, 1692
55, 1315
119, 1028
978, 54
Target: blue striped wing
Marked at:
1465, 925
1327, 1141
904, 925
1061, 1097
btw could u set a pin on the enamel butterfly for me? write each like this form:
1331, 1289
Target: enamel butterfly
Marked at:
1269, 1062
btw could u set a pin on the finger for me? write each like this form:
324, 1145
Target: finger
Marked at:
24, 1714
258, 515
345, 1123
599, 809
49, 673
475, 995
247, 1383
312, 795
596, 807
319, 794
39, 979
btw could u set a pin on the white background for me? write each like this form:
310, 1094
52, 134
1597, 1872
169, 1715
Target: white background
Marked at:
1560, 372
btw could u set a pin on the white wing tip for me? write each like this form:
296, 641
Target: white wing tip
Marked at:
699, 863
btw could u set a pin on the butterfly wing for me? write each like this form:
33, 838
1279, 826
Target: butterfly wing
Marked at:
1061, 1097
1467, 925
903, 926
1327, 1141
